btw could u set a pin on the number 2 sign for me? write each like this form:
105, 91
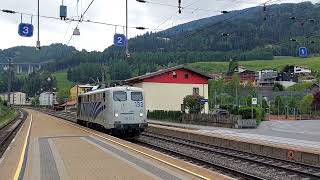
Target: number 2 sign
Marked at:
25, 30
119, 40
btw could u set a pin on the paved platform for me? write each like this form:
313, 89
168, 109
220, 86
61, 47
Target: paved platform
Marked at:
274, 139
304, 130
57, 149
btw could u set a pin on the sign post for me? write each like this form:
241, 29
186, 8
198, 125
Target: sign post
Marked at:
254, 102
203, 102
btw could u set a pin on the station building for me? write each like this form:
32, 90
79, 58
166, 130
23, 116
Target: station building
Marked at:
166, 89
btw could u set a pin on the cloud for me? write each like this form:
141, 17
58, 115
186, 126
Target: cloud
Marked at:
99, 37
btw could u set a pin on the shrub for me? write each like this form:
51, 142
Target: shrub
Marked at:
165, 115
245, 112
278, 87
258, 113
193, 104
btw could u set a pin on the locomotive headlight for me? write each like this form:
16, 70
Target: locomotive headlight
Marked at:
116, 115
141, 114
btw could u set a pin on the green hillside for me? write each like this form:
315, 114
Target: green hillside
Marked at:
278, 64
63, 85
62, 80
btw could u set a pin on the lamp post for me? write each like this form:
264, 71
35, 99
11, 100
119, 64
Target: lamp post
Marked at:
38, 46
49, 80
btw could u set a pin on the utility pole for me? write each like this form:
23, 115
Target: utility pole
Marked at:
215, 98
38, 46
103, 84
237, 96
127, 38
9, 80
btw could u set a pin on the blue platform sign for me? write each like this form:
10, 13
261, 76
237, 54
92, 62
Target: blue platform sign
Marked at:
25, 30
303, 52
203, 101
119, 40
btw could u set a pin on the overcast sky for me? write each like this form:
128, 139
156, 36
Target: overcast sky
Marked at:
96, 36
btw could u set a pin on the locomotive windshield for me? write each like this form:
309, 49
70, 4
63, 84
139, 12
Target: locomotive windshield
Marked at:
136, 96
119, 96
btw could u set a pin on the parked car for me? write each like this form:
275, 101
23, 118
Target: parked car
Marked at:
221, 112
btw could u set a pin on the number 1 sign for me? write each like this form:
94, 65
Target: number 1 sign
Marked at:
25, 30
119, 40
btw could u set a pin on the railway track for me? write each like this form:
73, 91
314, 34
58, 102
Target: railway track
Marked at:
235, 163
244, 165
8, 132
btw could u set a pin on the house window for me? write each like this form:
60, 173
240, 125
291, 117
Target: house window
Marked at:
186, 76
174, 75
195, 91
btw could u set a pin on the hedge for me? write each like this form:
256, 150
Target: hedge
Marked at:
245, 112
258, 113
165, 115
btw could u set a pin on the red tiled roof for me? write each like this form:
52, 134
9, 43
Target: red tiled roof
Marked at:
140, 78
70, 103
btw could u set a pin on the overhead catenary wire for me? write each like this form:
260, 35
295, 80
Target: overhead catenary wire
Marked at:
80, 19
170, 17
68, 20
236, 14
77, 20
173, 6
196, 9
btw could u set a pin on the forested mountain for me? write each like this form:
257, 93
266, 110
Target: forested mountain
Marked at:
244, 30
30, 54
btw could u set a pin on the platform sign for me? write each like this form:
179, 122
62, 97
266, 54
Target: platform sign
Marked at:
203, 101
25, 30
254, 101
119, 40
303, 52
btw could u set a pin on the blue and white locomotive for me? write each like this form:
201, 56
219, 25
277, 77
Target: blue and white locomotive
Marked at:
118, 110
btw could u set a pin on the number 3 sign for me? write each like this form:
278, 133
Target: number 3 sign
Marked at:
25, 30
119, 40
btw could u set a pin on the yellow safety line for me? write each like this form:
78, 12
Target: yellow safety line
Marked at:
16, 175
138, 151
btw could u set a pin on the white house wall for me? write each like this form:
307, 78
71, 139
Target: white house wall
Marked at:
169, 96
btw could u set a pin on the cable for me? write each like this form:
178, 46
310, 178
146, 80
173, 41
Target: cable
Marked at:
170, 17
193, 9
67, 19
191, 4
175, 6
87, 9
81, 19
77, 20
220, 22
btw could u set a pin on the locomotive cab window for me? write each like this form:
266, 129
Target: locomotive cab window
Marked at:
119, 96
136, 96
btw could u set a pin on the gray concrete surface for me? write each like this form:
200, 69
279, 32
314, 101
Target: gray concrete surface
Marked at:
308, 130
